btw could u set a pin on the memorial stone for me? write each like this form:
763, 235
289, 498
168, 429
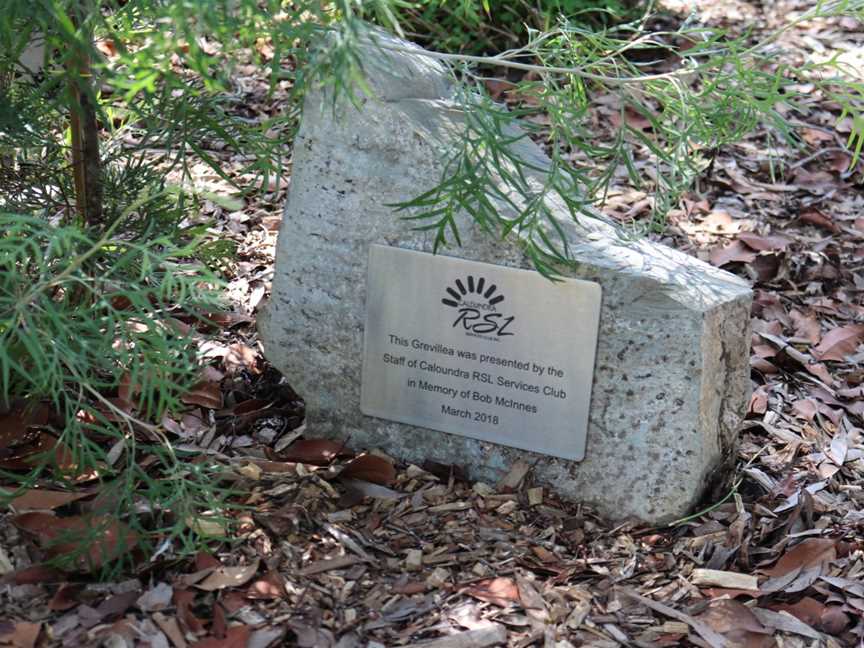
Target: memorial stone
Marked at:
623, 385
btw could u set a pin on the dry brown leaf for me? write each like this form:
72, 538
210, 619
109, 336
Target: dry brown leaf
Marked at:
806, 326
204, 560
720, 222
223, 320
171, 627
817, 136
35, 575
806, 408
184, 600
209, 373
808, 552
820, 371
126, 391
14, 424
632, 119
65, 598
219, 625
815, 181
726, 616
498, 591
817, 218
766, 267
839, 448
840, 342
808, 610
497, 87
36, 499
833, 620
737, 623
758, 402
22, 445
763, 366
235, 637
370, 468
250, 406
271, 586
360, 489
544, 555
19, 634
764, 243
116, 605
735, 252
119, 302
93, 539
192, 423
314, 451
223, 577
204, 393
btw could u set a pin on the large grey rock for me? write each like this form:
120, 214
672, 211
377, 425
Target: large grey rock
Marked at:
671, 377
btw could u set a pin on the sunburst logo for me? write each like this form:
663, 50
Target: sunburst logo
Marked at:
476, 301
461, 291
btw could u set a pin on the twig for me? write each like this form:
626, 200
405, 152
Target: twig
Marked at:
822, 9
528, 67
813, 156
131, 420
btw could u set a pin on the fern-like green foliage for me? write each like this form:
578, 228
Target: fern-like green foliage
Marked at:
92, 329
95, 313
720, 89
78, 311
490, 26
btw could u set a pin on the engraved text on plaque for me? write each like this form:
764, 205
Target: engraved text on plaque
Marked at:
484, 351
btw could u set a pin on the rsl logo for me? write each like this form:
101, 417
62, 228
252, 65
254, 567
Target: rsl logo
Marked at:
477, 302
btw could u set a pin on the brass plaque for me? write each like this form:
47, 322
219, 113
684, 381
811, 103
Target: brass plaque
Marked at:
480, 350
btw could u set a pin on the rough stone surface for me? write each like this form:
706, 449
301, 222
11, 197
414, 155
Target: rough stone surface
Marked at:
671, 379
